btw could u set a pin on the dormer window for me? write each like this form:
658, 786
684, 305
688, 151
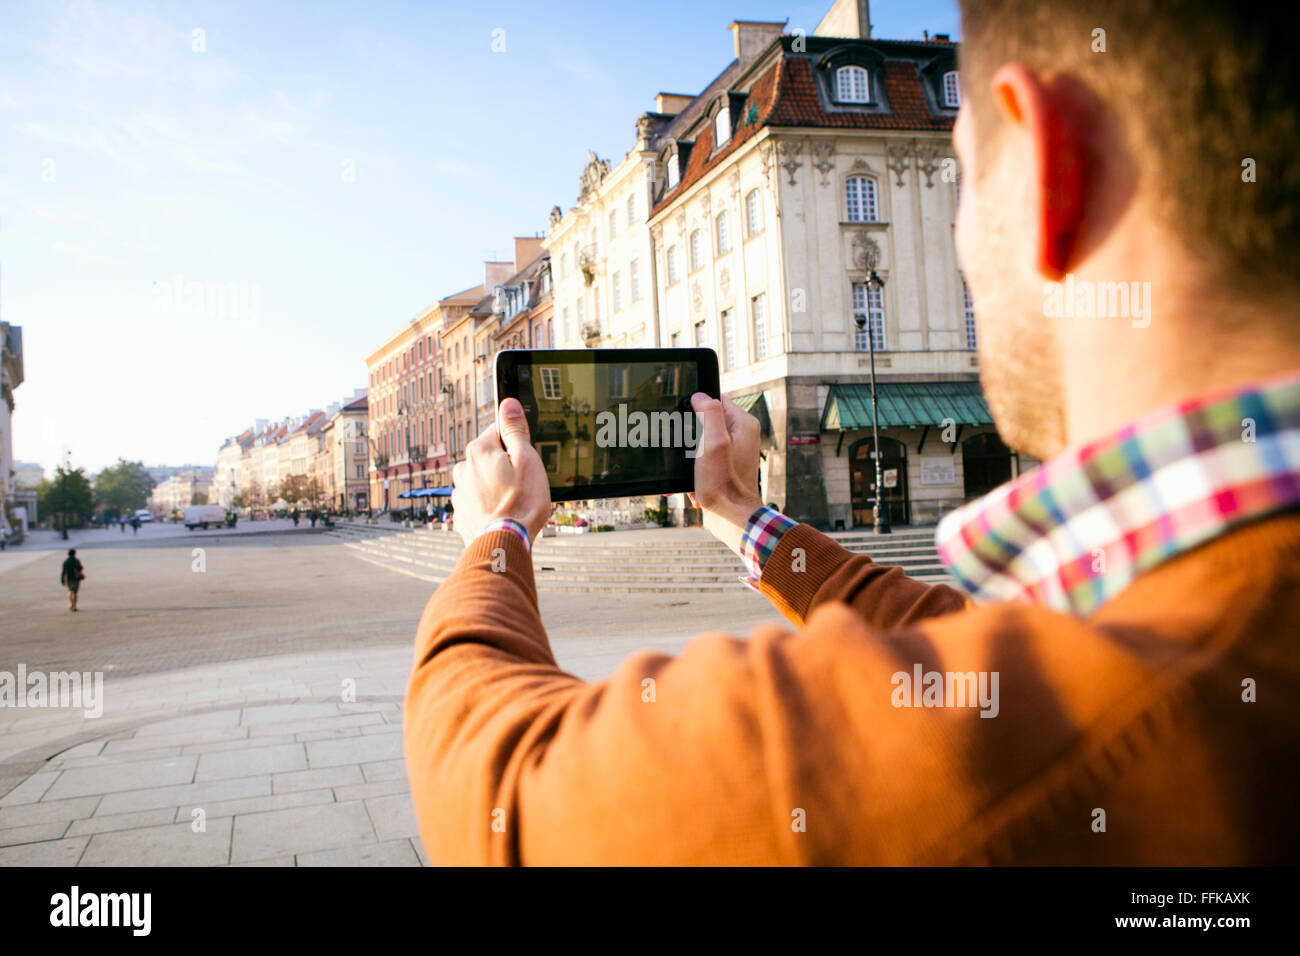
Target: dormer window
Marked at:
951, 90
722, 127
674, 174
852, 85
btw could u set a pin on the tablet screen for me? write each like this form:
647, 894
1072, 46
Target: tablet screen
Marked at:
611, 422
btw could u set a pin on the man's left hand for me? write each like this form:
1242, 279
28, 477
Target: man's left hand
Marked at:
494, 482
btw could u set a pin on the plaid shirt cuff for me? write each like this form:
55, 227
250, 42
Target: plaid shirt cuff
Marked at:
762, 532
508, 524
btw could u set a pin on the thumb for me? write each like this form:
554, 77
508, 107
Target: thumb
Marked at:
713, 422
513, 428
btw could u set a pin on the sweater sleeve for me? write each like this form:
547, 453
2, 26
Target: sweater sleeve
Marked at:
807, 569
512, 760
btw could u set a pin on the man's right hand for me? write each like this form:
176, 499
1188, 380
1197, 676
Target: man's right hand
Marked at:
726, 467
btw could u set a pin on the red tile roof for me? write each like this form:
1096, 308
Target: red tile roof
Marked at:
786, 95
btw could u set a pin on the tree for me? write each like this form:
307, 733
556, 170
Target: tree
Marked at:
124, 487
67, 495
295, 489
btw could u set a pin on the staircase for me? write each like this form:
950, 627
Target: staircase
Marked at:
663, 560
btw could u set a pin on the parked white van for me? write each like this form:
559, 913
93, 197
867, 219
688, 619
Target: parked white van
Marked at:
204, 516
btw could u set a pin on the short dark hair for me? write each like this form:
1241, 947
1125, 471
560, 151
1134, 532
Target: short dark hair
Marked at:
1200, 87
72, 552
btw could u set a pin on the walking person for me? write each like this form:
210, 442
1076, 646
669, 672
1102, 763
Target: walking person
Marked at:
71, 577
294, 515
121, 523
135, 525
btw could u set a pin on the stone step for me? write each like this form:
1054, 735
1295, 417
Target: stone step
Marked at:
579, 561
594, 587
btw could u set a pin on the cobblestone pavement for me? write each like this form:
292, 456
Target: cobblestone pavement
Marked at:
263, 692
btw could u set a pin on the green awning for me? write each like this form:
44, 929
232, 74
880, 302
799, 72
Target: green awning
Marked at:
756, 404
906, 405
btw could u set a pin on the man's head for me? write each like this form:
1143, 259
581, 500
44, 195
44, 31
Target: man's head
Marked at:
72, 552
1121, 141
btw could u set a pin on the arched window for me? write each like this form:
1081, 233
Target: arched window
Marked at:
674, 173
951, 90
753, 213
860, 199
722, 127
673, 271
724, 233
852, 85
697, 250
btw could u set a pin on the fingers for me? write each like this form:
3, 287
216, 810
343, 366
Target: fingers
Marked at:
713, 423
514, 428
485, 444
738, 420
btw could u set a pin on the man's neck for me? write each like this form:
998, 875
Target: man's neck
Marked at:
1116, 370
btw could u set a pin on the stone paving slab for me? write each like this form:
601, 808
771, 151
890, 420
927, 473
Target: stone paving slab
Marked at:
225, 694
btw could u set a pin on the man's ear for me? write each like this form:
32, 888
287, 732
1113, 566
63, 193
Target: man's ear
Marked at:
1047, 124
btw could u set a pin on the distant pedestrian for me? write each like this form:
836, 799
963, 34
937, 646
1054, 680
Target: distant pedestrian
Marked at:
313, 516
121, 523
294, 516
135, 525
71, 577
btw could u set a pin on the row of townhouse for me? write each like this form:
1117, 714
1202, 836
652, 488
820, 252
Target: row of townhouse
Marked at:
317, 460
797, 217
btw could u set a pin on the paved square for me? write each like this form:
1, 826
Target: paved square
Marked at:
251, 713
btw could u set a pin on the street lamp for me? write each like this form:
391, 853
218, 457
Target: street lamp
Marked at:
880, 515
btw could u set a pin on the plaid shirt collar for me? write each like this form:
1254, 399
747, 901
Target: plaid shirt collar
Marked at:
1076, 531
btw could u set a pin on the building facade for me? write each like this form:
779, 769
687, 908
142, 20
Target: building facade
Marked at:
346, 449
802, 219
11, 376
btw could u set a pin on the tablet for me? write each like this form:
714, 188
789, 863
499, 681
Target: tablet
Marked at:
611, 422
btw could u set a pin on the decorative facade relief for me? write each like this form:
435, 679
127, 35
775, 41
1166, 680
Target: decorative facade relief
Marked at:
899, 159
789, 151
927, 161
824, 158
593, 174
866, 253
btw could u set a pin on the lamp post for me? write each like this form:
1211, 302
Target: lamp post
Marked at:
880, 514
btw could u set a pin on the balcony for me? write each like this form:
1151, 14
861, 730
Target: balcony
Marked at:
591, 332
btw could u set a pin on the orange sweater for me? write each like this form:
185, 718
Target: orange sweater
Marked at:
793, 748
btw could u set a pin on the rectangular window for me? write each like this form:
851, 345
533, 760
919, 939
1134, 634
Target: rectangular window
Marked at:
969, 308
617, 283
631, 209
675, 341
869, 305
701, 335
673, 270
617, 382
729, 338
567, 326
551, 383
758, 306
613, 224
634, 278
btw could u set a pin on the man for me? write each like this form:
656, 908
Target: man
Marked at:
1124, 686
71, 577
